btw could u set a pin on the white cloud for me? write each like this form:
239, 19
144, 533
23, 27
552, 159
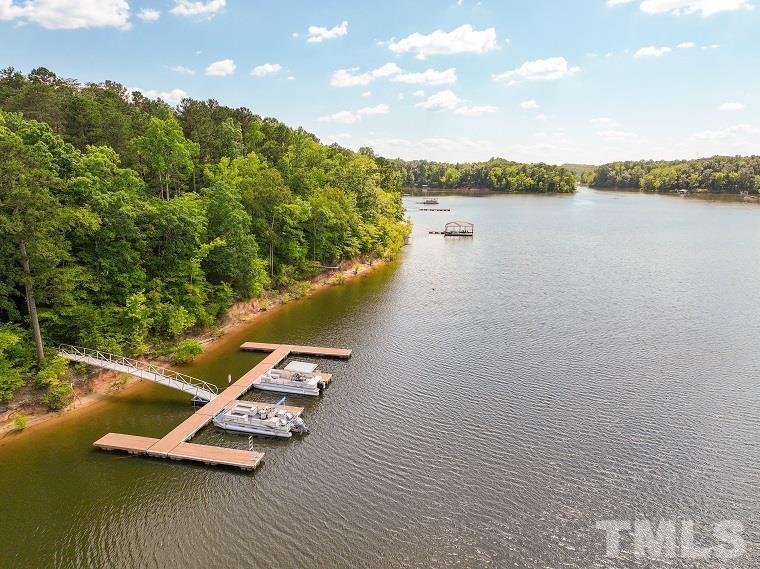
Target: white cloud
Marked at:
686, 45
199, 9
69, 14
317, 34
429, 77
727, 133
651, 51
339, 137
732, 107
539, 70
418, 93
266, 69
172, 97
367, 94
350, 77
149, 15
602, 120
442, 100
221, 68
449, 101
182, 70
530, 104
291, 78
351, 117
541, 117
464, 39
616, 134
679, 7
475, 110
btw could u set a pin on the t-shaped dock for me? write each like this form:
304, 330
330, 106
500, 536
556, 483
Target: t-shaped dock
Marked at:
174, 444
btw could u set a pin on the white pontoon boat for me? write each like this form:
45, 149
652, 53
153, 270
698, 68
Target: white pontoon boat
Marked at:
259, 419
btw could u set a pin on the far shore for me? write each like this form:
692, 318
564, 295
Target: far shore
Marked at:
99, 386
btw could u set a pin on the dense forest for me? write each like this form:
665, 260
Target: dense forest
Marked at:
125, 223
496, 174
728, 174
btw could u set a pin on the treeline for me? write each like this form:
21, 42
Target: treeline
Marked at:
126, 223
726, 174
496, 174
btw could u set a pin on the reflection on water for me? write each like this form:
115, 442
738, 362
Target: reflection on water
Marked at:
583, 358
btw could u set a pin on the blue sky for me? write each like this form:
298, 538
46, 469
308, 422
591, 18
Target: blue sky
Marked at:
556, 81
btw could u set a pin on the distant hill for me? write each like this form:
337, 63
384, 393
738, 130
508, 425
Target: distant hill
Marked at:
578, 169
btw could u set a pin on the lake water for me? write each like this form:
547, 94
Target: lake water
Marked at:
582, 358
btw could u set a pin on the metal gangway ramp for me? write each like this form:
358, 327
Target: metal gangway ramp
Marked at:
198, 388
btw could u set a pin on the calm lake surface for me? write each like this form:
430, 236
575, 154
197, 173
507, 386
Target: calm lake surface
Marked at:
582, 358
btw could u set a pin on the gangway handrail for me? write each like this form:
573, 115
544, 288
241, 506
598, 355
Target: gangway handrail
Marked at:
138, 365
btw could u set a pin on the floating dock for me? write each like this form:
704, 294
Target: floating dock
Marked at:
174, 444
456, 229
433, 209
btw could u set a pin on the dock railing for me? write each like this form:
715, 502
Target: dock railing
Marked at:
164, 376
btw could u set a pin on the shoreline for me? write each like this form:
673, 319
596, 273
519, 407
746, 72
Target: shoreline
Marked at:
100, 386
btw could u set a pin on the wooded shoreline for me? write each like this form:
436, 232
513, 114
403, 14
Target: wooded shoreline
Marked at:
99, 386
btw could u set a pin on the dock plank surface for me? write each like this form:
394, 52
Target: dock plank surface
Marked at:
130, 443
302, 350
207, 454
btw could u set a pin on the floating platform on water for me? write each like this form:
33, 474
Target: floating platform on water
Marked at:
434, 209
174, 444
456, 229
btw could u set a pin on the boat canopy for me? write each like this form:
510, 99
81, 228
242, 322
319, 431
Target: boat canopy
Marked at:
301, 367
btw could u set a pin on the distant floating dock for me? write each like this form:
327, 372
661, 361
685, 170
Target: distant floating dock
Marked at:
174, 444
456, 229
433, 209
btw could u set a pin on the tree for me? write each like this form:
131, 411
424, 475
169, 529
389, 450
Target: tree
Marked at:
166, 154
33, 222
235, 262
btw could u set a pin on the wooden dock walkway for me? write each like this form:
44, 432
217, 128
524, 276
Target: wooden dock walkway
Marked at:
174, 444
433, 209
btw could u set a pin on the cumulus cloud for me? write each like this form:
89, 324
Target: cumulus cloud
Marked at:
197, 9
351, 117
679, 7
539, 70
149, 15
428, 77
318, 34
182, 70
172, 97
266, 69
449, 101
686, 45
531, 104
732, 106
221, 68
651, 51
727, 133
351, 77
418, 93
442, 100
68, 14
464, 39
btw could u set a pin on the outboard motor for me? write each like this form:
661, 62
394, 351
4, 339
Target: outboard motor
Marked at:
299, 426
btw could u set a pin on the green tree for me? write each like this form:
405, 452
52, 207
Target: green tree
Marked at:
166, 155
